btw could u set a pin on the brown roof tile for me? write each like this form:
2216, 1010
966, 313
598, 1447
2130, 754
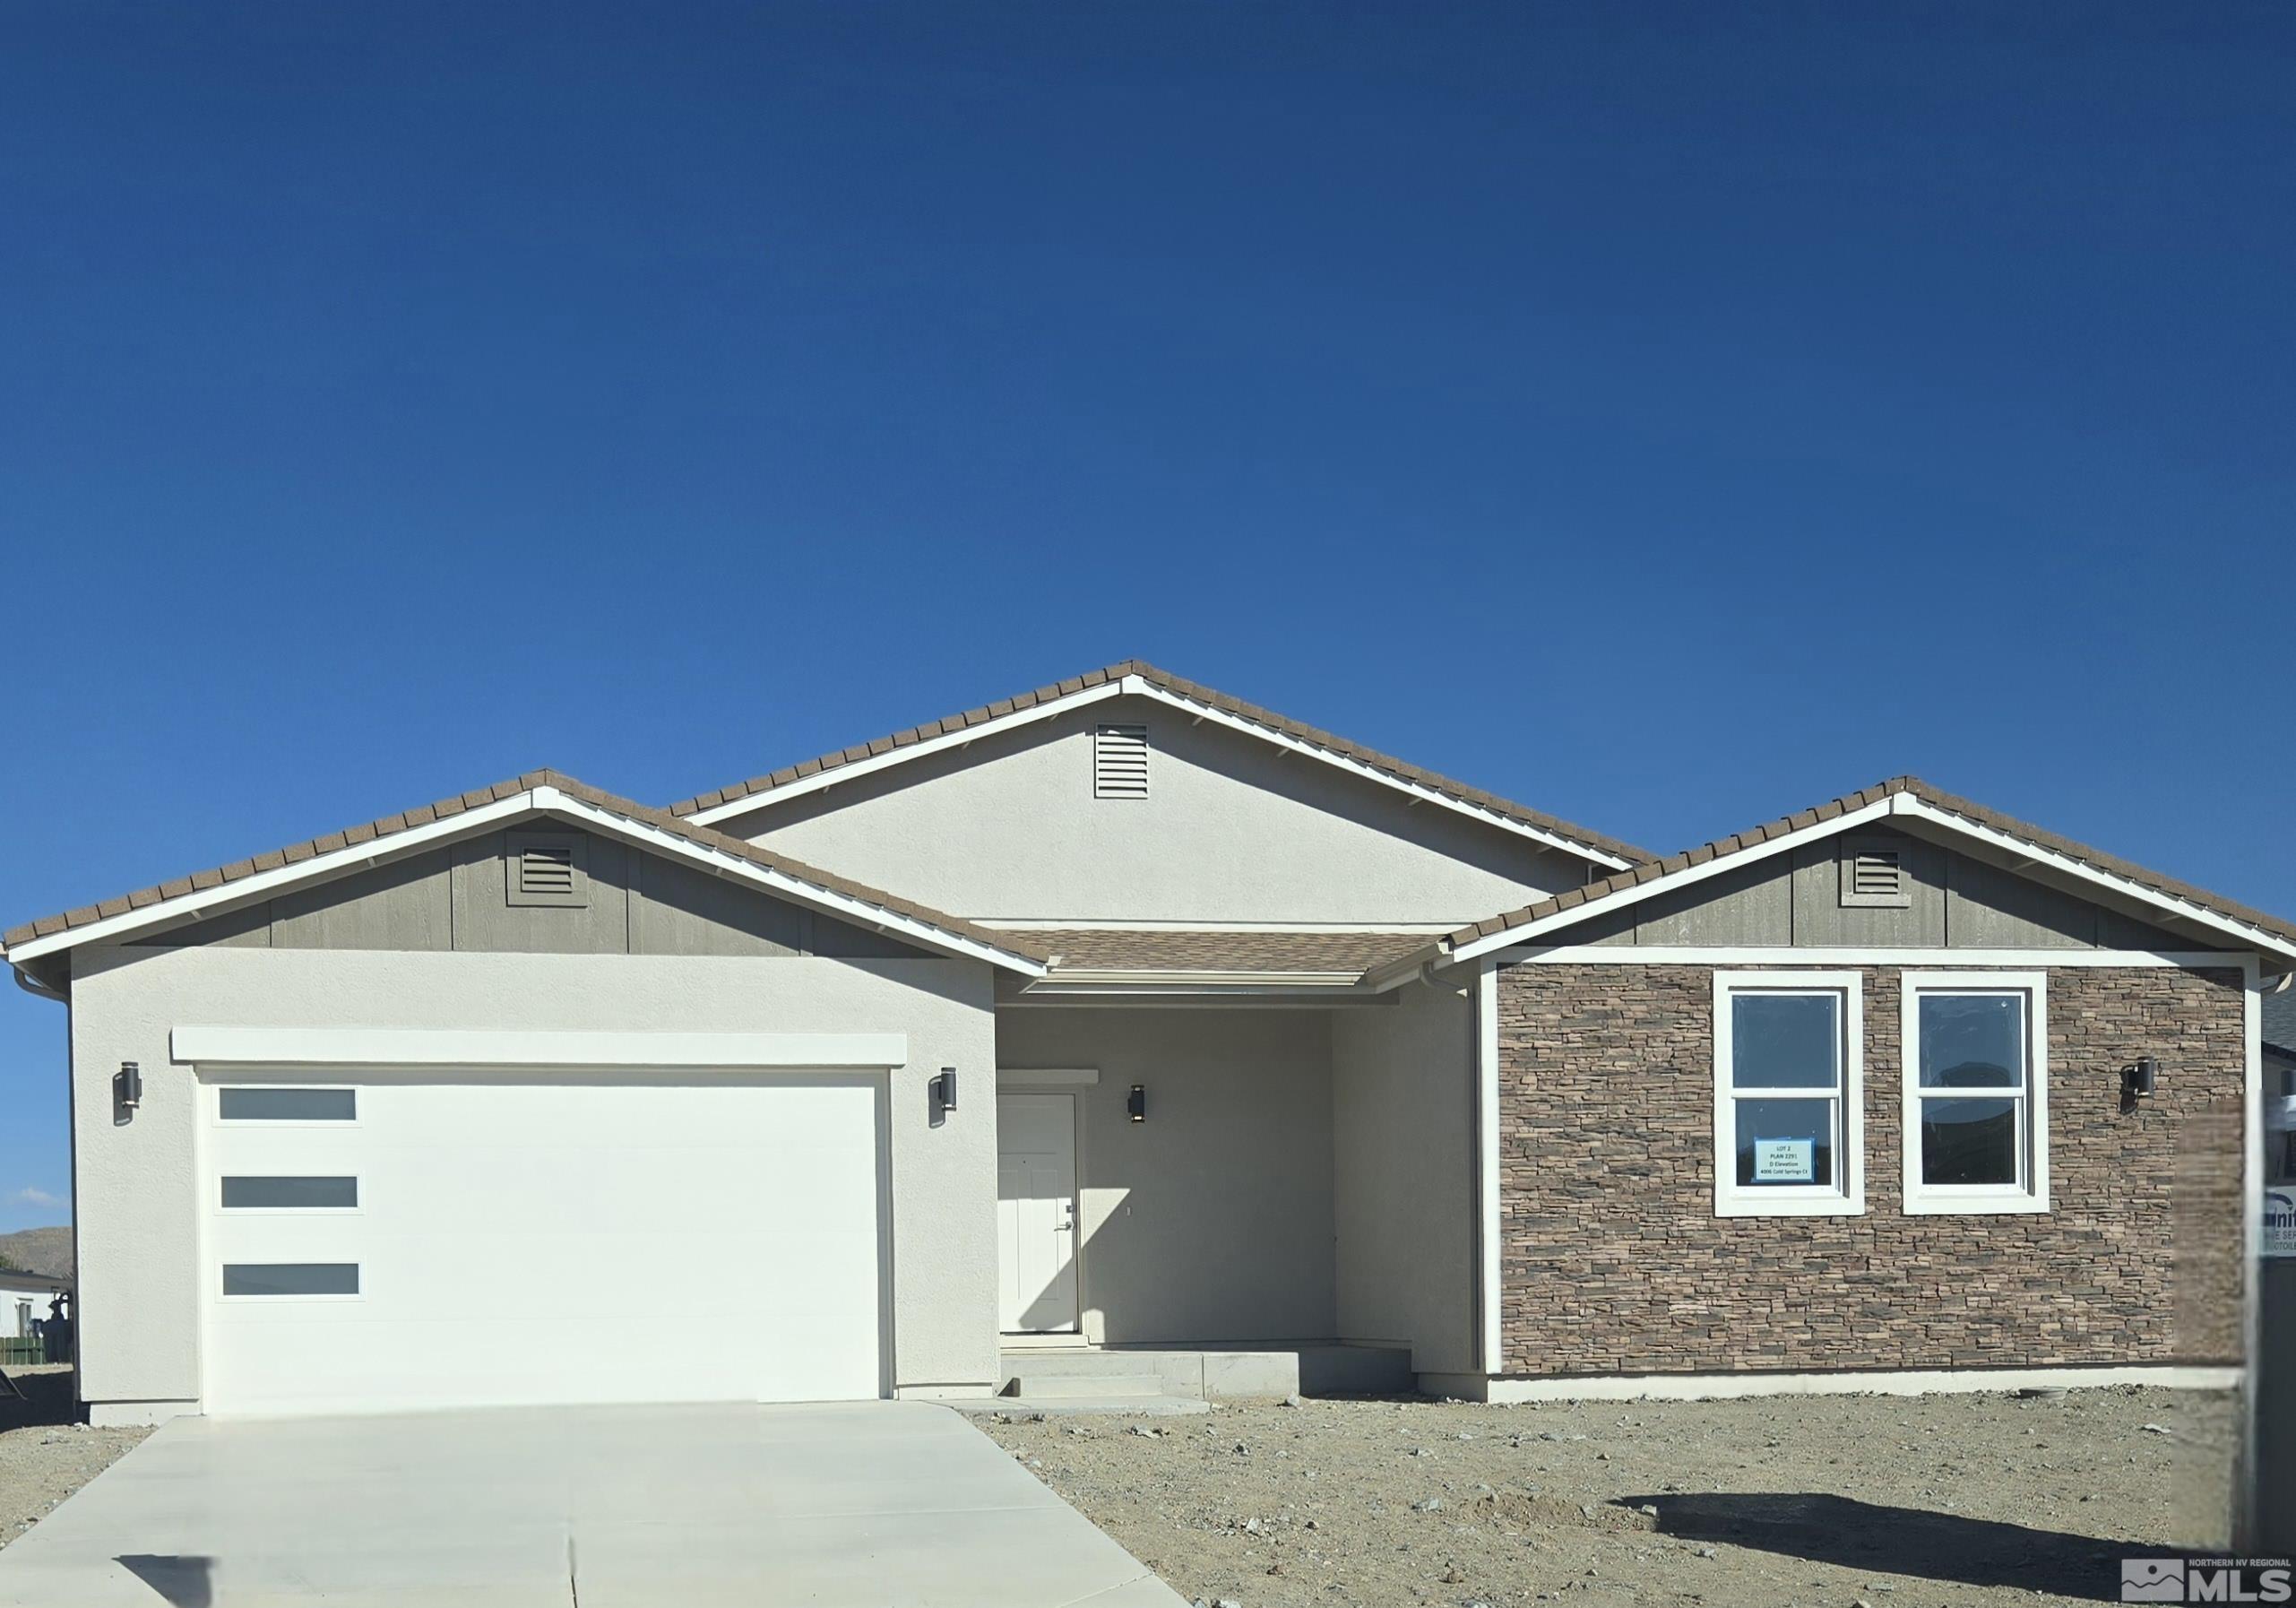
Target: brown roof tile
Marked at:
1017, 946
1386, 763
1166, 949
1937, 799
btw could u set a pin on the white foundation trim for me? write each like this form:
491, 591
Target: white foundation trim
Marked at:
139, 1414
1487, 1168
1787, 954
943, 1393
487, 1047
1724, 1386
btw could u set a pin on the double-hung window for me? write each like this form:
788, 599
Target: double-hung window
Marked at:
1789, 1134
1976, 1098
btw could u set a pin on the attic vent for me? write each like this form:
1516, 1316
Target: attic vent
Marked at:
546, 869
1119, 762
1873, 876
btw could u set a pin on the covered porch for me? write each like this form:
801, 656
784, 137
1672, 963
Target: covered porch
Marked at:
1222, 1196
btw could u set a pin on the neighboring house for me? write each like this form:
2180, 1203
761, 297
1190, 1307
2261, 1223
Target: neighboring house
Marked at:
1125, 1014
2280, 1084
27, 1299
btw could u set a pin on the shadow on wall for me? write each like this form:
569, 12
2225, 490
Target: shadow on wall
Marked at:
184, 1582
1903, 1541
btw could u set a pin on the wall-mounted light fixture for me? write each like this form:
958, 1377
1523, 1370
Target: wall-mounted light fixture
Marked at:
1136, 1104
128, 1087
2139, 1079
941, 1093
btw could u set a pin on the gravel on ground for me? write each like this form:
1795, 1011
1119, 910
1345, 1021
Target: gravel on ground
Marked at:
1865, 1501
45, 1452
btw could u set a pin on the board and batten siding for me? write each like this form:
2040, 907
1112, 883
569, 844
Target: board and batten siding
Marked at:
1956, 902
457, 898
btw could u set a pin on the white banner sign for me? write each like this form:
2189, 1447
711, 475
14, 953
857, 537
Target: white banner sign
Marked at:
2280, 1221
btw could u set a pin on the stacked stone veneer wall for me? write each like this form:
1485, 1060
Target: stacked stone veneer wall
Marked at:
1614, 1262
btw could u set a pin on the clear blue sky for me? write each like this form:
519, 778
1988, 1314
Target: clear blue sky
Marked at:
1667, 415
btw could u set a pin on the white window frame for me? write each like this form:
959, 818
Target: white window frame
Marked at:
1845, 1196
2032, 1193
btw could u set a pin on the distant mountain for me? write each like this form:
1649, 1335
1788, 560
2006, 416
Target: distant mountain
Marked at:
44, 1250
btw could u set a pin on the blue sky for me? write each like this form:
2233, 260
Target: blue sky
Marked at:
1667, 415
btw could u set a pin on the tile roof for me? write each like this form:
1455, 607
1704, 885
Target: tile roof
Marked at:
1833, 810
1166, 949
1394, 768
378, 831
2280, 1021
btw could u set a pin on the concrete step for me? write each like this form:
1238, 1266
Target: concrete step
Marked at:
1079, 1387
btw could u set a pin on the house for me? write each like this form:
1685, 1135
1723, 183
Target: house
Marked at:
1127, 1026
27, 1298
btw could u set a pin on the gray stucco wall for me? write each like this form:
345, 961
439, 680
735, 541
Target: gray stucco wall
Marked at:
1957, 902
1403, 1149
1233, 829
135, 1183
1213, 1219
456, 898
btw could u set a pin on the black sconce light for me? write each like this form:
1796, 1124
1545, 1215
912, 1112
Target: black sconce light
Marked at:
942, 1092
1136, 1104
2139, 1079
128, 1087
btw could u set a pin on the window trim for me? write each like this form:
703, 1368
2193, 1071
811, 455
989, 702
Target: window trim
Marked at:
1846, 1196
1934, 1200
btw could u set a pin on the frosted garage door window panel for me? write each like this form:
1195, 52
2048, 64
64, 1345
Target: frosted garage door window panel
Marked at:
289, 1105
1785, 1094
290, 1194
291, 1278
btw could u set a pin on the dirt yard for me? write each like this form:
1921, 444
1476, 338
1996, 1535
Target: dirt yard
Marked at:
44, 1455
1964, 1501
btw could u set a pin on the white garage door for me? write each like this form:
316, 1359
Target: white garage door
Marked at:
404, 1243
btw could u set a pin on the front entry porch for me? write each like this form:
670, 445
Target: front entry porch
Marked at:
1239, 1371
1235, 1200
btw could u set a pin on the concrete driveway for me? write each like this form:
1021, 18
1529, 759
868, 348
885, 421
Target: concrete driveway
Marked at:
869, 1504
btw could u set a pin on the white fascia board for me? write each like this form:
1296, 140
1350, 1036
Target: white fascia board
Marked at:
1417, 789
1138, 686
245, 888
2240, 932
1814, 955
388, 1047
902, 754
553, 801
1669, 883
545, 800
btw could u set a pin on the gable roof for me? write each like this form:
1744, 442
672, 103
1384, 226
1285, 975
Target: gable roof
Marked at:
1136, 677
543, 792
1910, 797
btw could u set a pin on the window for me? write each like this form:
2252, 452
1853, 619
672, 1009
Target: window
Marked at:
291, 1278
290, 1194
1788, 1130
288, 1105
1976, 1091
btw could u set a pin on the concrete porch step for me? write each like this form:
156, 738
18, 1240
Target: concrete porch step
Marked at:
1251, 1370
1077, 1387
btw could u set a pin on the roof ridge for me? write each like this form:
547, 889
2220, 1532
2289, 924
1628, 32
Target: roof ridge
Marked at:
390, 826
1398, 770
1906, 785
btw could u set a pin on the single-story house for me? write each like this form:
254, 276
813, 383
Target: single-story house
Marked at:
27, 1299
1124, 1020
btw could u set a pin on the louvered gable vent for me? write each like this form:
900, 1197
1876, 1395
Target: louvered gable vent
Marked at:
546, 869
1120, 761
1873, 876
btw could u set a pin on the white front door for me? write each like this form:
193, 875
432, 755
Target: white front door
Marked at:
1036, 1213
435, 1240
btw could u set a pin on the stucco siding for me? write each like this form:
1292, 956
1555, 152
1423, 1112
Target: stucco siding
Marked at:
1213, 1219
1403, 1187
135, 1186
1233, 829
1615, 1262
